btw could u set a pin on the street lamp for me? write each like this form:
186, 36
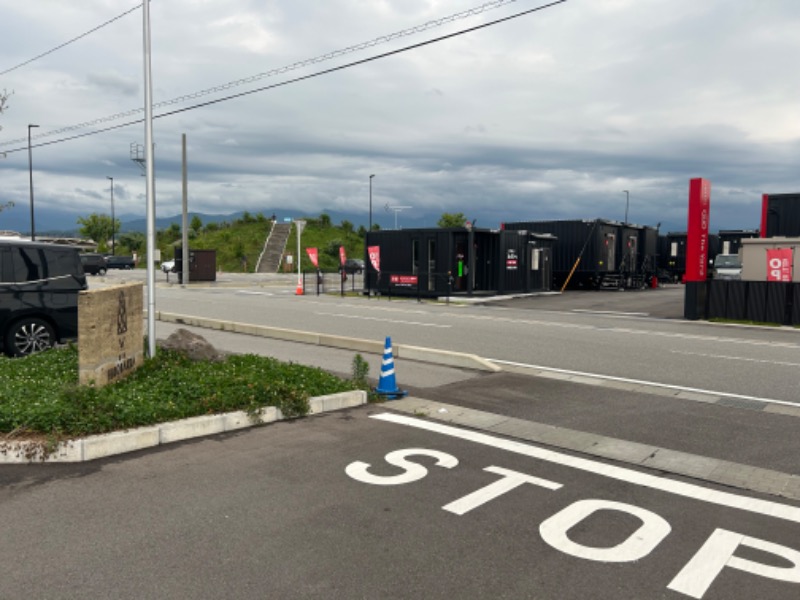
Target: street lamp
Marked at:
30, 173
113, 223
370, 202
627, 202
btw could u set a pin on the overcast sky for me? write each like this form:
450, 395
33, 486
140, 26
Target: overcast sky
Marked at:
549, 115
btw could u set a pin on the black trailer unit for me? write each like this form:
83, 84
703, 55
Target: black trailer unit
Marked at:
440, 262
672, 257
730, 240
781, 215
648, 251
586, 253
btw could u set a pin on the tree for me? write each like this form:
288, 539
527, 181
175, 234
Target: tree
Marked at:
98, 228
196, 224
133, 241
448, 220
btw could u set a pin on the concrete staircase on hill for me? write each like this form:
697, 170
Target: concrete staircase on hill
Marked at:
270, 259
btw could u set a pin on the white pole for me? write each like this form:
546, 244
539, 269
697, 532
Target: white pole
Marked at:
185, 217
151, 208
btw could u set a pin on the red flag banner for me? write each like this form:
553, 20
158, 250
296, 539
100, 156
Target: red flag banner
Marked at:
779, 264
375, 257
342, 255
313, 256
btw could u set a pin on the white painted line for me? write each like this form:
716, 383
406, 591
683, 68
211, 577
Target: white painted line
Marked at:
610, 312
668, 386
678, 488
729, 358
383, 320
251, 293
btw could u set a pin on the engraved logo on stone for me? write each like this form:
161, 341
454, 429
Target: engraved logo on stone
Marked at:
122, 315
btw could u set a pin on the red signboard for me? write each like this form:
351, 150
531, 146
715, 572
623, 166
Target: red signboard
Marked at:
375, 257
404, 280
764, 213
697, 230
313, 256
779, 264
342, 255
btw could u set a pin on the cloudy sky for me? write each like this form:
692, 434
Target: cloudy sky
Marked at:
550, 115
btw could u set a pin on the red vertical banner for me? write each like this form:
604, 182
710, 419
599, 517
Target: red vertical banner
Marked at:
779, 264
342, 255
375, 257
313, 256
764, 213
697, 230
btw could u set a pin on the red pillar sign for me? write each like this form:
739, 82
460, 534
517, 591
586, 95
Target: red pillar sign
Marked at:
697, 230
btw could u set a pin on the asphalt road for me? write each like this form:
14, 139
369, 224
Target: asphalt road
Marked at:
371, 503
742, 362
352, 505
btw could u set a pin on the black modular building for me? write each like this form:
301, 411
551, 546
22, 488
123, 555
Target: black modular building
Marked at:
458, 261
598, 253
781, 215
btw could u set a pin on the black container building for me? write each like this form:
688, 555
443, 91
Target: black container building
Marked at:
612, 254
730, 240
781, 215
438, 262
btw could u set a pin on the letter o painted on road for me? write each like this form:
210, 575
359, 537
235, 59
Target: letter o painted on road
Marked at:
638, 545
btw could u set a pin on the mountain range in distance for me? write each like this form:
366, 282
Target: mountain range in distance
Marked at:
65, 223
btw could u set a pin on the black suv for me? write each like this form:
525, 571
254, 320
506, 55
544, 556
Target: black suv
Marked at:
39, 285
120, 262
94, 264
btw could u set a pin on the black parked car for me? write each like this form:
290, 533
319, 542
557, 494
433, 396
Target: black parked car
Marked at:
94, 264
120, 262
39, 285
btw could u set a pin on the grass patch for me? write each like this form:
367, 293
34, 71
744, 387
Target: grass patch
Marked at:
40, 395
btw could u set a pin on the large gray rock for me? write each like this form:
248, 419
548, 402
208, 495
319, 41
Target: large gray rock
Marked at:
194, 346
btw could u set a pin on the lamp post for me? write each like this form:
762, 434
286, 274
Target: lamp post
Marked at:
30, 173
370, 202
627, 202
113, 222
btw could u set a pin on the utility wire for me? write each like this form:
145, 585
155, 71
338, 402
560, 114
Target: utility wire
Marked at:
75, 39
278, 71
302, 78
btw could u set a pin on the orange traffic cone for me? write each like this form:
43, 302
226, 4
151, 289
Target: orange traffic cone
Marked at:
299, 290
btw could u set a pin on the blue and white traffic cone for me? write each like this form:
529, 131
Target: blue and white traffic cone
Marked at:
387, 386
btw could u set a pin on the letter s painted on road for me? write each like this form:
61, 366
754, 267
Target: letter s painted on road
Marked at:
412, 471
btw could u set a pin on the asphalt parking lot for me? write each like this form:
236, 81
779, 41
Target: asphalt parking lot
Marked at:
665, 302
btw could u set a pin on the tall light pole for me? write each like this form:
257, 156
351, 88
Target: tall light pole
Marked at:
113, 222
30, 173
627, 202
370, 202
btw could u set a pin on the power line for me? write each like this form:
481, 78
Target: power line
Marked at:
302, 78
278, 71
75, 39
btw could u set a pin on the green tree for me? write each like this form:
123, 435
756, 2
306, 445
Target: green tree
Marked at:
133, 241
325, 220
98, 228
347, 226
448, 220
196, 224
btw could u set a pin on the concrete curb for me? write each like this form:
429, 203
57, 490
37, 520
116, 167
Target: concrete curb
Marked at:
440, 357
723, 472
120, 442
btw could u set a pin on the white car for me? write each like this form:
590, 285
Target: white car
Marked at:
168, 266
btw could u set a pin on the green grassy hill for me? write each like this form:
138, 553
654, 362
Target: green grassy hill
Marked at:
239, 244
